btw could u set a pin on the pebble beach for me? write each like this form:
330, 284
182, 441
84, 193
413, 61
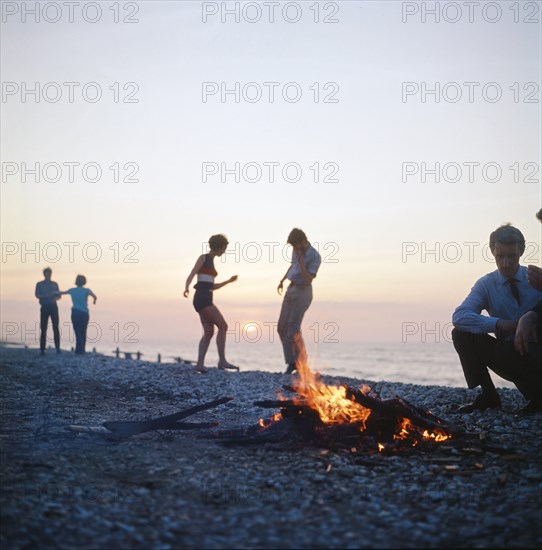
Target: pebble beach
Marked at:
64, 487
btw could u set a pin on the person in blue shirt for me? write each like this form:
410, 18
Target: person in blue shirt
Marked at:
487, 341
80, 313
305, 264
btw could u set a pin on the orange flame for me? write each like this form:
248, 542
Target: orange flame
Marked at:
266, 423
405, 429
330, 402
333, 406
437, 435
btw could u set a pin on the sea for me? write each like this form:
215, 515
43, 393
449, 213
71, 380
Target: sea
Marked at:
429, 363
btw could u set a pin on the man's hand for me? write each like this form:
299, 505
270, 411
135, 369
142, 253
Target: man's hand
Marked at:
185, 293
507, 325
233, 279
280, 288
534, 276
525, 332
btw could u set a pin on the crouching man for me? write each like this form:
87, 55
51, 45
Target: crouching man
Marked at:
486, 342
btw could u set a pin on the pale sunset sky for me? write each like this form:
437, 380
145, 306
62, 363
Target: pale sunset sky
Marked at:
167, 96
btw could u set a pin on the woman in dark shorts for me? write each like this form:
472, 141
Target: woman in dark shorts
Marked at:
203, 302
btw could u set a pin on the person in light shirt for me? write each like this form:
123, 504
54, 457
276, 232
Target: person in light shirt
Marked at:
305, 264
487, 341
80, 313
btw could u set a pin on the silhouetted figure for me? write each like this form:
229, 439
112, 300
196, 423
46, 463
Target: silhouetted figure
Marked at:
534, 273
528, 338
506, 295
203, 302
80, 314
305, 264
47, 292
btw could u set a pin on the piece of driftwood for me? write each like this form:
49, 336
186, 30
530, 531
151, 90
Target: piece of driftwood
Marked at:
276, 433
123, 429
100, 430
189, 425
399, 408
278, 404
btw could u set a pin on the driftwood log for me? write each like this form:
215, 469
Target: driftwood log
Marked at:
123, 429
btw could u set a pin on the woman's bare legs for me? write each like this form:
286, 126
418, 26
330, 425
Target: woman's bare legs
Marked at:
208, 331
211, 316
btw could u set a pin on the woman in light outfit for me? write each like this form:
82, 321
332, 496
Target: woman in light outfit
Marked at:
80, 314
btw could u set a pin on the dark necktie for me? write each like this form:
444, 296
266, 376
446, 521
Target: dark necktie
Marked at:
514, 289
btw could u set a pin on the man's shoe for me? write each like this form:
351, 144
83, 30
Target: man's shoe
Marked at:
291, 368
533, 406
481, 403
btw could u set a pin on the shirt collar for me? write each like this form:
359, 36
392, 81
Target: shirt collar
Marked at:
520, 276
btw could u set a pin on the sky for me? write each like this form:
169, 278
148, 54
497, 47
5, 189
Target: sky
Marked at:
397, 135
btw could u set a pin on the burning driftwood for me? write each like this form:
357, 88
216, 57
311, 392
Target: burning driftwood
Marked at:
389, 425
342, 417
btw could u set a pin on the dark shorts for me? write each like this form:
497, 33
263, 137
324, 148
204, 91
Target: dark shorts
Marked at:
202, 299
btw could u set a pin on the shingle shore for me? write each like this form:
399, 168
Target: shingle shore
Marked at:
61, 489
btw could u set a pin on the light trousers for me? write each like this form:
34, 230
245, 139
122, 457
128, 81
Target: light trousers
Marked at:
296, 302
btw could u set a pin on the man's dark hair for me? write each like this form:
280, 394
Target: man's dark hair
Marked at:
80, 280
296, 236
539, 215
218, 242
507, 234
47, 270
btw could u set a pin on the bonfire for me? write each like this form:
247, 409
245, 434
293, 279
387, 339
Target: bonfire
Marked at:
340, 416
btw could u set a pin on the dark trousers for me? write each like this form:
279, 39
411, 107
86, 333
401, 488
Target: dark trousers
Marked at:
480, 352
80, 324
46, 311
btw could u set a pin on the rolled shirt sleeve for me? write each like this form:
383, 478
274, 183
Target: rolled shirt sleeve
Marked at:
492, 294
468, 316
313, 261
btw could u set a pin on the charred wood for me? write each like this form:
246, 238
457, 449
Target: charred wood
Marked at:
399, 408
